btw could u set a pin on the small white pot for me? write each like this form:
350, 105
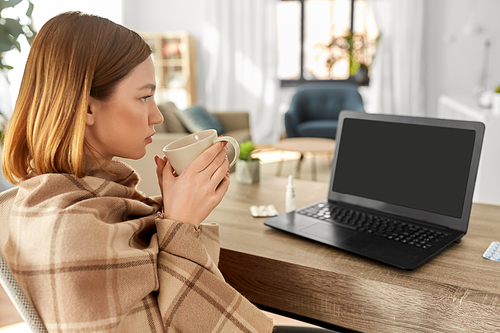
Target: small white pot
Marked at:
495, 103
247, 172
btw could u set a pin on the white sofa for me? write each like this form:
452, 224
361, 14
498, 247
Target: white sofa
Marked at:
237, 124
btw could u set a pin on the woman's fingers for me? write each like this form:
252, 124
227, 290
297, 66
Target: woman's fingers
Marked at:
223, 185
220, 161
218, 170
191, 196
160, 164
206, 158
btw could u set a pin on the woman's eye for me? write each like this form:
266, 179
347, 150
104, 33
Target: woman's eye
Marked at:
145, 98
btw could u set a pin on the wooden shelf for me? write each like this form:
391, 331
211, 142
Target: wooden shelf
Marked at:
174, 56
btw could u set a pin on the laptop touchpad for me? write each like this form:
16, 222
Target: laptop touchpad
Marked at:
328, 232
384, 253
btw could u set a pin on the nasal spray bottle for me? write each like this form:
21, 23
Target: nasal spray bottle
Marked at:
290, 195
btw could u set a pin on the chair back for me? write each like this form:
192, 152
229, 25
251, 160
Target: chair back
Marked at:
326, 101
7, 278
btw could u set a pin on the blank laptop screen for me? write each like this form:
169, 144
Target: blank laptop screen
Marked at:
416, 166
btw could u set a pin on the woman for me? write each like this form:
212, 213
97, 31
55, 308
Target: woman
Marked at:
92, 253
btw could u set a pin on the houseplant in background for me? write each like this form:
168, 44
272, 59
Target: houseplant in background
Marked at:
3, 124
12, 27
357, 47
247, 167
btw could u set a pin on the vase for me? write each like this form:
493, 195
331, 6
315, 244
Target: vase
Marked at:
248, 172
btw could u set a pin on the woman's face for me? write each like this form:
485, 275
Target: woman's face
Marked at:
122, 126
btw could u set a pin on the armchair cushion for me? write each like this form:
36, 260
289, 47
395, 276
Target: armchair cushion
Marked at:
196, 118
317, 128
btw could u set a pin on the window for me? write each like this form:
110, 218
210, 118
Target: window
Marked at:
325, 40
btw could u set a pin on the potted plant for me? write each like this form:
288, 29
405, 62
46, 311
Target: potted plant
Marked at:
357, 47
247, 167
11, 28
10, 31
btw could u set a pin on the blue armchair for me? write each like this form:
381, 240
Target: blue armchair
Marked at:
315, 108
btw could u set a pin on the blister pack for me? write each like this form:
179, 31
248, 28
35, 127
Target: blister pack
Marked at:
493, 252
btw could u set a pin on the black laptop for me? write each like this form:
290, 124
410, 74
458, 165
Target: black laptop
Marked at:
400, 188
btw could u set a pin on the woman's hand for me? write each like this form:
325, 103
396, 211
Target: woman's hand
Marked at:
190, 197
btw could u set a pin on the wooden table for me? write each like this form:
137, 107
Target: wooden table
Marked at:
304, 145
458, 291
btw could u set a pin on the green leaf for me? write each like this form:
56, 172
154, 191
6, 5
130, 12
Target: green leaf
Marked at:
8, 3
13, 27
6, 44
246, 149
13, 3
16, 44
29, 12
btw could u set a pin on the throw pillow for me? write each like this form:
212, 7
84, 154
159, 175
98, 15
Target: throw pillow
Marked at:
171, 124
196, 118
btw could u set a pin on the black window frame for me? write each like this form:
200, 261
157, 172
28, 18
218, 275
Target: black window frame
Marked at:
301, 79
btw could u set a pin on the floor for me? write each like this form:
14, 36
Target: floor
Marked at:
11, 322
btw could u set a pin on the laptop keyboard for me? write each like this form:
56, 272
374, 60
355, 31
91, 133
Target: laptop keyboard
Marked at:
395, 230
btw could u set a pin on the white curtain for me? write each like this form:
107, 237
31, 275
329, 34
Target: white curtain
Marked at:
239, 61
397, 73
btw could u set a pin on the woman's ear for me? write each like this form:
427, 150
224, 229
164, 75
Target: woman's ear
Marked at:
90, 120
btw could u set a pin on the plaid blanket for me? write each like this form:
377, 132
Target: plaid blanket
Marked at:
95, 255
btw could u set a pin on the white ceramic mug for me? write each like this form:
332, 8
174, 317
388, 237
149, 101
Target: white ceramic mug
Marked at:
183, 151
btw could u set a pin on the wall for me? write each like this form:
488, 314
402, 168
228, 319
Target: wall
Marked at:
168, 15
453, 58
164, 15
453, 54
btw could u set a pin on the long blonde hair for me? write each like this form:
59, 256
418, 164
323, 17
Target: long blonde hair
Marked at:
73, 56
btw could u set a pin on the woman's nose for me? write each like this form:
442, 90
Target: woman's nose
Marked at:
156, 117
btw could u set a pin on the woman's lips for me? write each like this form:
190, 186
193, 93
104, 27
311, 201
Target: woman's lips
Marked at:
150, 138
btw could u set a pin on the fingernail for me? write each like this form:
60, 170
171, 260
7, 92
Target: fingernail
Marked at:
224, 143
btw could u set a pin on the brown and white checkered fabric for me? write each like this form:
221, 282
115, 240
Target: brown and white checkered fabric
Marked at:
95, 255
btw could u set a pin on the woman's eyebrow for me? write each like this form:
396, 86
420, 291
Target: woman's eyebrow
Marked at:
148, 86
